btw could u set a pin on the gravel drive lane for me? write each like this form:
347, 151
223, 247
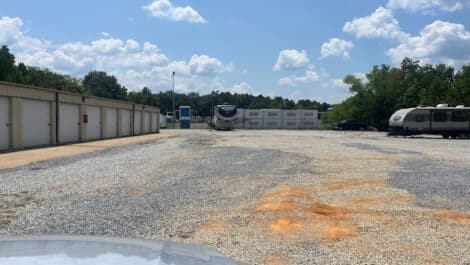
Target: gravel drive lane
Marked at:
260, 197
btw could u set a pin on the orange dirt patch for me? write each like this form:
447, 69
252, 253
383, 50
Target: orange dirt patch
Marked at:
453, 215
288, 192
326, 210
383, 199
354, 183
338, 232
276, 206
274, 260
286, 225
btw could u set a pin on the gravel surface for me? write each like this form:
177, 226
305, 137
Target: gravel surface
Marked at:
260, 197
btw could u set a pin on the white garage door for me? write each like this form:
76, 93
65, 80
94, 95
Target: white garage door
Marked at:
69, 123
36, 123
125, 122
154, 122
146, 125
137, 122
93, 127
111, 123
4, 120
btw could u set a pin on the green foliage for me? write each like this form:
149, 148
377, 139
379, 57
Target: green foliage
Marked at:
101, 84
389, 89
7, 64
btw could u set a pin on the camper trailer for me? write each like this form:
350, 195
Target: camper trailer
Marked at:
450, 122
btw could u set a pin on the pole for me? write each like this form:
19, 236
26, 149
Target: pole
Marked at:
173, 119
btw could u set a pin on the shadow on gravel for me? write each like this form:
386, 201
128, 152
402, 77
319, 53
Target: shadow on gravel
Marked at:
436, 184
388, 151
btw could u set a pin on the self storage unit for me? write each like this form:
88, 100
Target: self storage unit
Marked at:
278, 119
31, 117
4, 123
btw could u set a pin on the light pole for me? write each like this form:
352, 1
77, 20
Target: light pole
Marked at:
173, 119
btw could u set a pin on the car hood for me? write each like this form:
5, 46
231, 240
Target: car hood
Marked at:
97, 250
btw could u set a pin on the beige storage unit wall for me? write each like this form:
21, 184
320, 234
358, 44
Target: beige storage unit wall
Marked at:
93, 127
272, 124
253, 124
4, 123
290, 114
32, 117
111, 122
137, 122
146, 122
290, 124
125, 124
69, 123
307, 124
271, 114
35, 122
253, 114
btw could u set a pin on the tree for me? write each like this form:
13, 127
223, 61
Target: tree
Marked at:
7, 64
103, 85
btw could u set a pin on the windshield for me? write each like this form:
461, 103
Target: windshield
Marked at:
227, 111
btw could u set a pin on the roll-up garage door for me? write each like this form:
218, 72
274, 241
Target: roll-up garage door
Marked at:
125, 122
36, 120
137, 122
69, 123
111, 123
146, 125
154, 122
4, 123
93, 127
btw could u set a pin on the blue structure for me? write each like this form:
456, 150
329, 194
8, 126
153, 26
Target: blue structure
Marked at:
185, 117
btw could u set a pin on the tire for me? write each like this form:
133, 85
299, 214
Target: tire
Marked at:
445, 136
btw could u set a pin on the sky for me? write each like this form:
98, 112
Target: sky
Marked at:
295, 49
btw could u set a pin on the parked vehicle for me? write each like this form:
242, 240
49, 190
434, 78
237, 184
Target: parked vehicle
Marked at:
441, 120
223, 117
352, 125
73, 250
163, 121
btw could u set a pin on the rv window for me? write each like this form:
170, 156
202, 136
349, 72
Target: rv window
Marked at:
459, 116
440, 116
420, 118
409, 117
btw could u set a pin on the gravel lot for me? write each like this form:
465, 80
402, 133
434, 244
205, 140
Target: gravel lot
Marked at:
259, 197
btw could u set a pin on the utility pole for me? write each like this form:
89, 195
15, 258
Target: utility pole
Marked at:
173, 119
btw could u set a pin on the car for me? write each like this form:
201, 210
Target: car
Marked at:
351, 125
65, 250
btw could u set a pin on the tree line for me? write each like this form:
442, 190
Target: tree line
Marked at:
387, 89
100, 84
384, 90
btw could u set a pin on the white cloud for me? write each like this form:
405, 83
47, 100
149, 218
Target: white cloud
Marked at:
335, 90
134, 64
165, 9
439, 42
309, 77
428, 6
239, 88
10, 30
105, 34
380, 24
205, 65
292, 59
336, 47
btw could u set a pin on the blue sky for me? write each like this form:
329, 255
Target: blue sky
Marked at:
296, 49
